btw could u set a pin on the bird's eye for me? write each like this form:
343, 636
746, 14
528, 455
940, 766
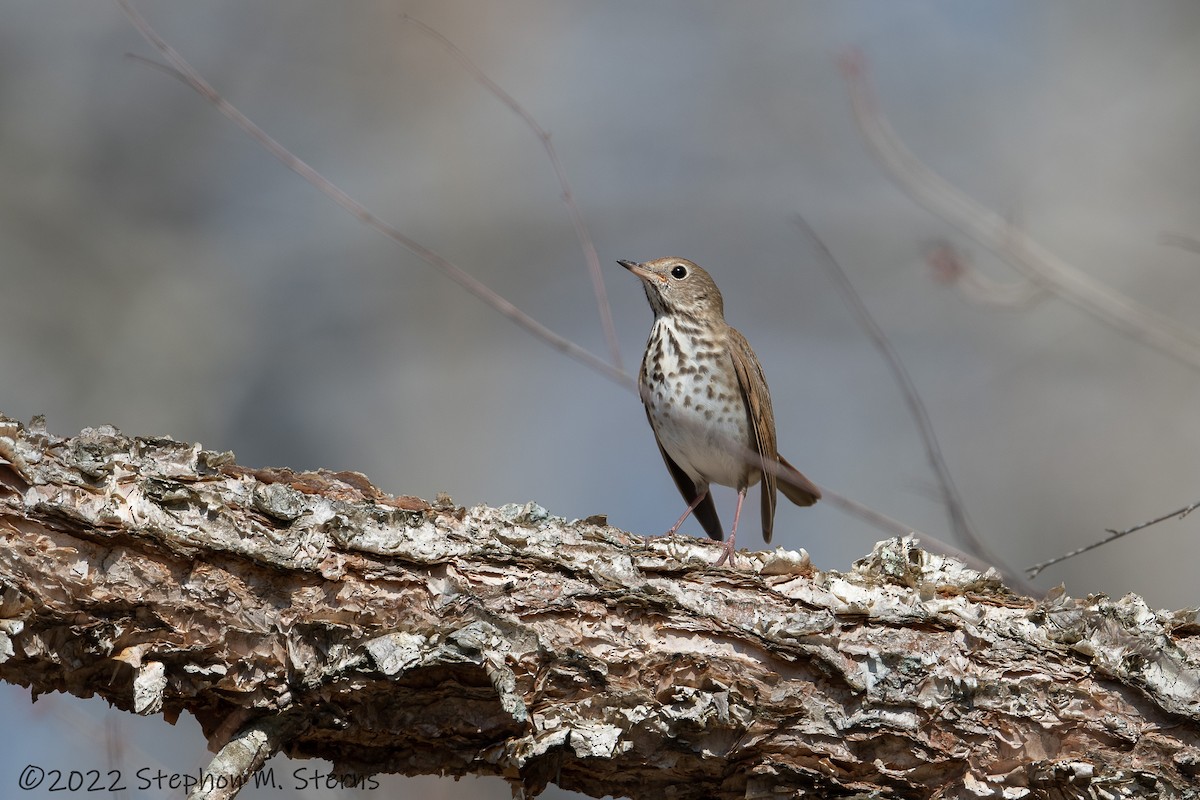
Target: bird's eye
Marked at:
679, 272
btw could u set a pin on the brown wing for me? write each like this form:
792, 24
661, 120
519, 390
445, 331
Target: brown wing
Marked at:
706, 512
762, 420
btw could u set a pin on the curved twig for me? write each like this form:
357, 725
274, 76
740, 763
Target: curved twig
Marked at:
959, 522
581, 231
950, 265
995, 233
184, 72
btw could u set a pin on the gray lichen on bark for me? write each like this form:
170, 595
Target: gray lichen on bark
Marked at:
388, 634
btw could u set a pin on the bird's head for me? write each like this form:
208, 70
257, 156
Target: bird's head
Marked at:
677, 286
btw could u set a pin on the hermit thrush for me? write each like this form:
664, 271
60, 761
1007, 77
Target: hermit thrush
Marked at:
707, 400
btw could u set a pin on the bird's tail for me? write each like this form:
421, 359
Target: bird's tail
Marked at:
795, 487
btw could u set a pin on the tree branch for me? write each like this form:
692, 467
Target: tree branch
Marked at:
1039, 265
314, 614
950, 265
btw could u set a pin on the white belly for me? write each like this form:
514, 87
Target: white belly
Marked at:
696, 419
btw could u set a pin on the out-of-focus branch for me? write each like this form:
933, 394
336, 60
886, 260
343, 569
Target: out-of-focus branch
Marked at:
998, 235
1036, 569
960, 525
543, 135
313, 614
184, 72
951, 266
1179, 240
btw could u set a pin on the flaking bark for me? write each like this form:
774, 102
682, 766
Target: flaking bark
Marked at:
314, 612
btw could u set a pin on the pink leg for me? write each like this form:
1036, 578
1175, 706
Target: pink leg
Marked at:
727, 550
699, 499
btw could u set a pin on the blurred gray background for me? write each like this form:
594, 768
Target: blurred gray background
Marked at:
160, 272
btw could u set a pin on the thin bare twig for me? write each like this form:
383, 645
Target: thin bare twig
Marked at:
959, 523
184, 72
1036, 569
998, 235
581, 231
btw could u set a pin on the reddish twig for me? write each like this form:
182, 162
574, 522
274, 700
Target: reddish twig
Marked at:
184, 72
581, 231
998, 235
950, 265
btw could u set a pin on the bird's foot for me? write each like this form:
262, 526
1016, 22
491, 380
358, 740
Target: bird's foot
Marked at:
726, 554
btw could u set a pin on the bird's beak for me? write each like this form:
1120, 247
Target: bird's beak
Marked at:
636, 269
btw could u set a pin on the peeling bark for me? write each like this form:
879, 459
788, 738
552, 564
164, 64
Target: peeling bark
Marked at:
314, 614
